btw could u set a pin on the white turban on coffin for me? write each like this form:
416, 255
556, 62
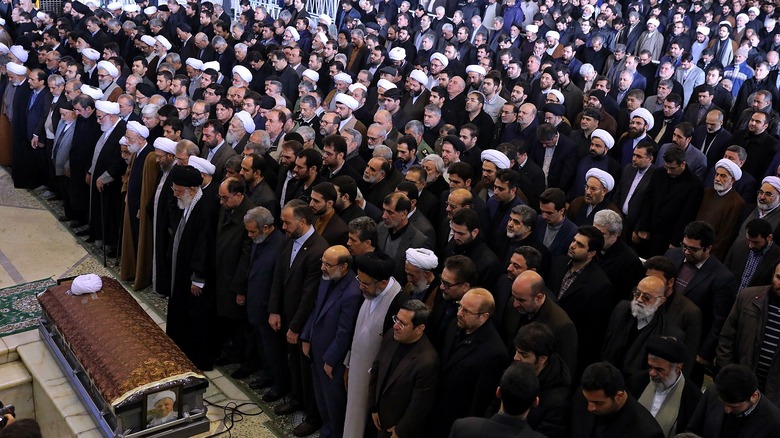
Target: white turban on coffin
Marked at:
86, 284
605, 178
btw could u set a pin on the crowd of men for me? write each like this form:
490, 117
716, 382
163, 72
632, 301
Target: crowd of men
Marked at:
377, 213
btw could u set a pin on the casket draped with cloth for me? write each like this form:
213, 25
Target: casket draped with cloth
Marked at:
115, 356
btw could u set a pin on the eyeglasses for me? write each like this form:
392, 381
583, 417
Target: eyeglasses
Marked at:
467, 312
329, 266
691, 249
224, 198
363, 283
399, 322
446, 284
644, 296
765, 194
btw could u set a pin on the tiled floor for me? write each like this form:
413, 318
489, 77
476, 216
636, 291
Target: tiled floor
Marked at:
35, 245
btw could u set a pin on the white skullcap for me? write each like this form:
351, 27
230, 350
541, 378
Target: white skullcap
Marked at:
164, 41
646, 115
731, 167
325, 19
605, 178
347, 100
355, 86
148, 40
3, 49
559, 95
311, 74
772, 181
496, 157
20, 53
214, 65
107, 107
114, 6
552, 33
195, 63
604, 136
202, 165
653, 21
151, 10
131, 8
443, 59
384, 83
294, 32
397, 54
704, 30
532, 28
163, 394
86, 284
478, 69
419, 76
754, 10
16, 69
138, 128
165, 145
109, 68
422, 258
89, 53
243, 73
246, 120
93, 92
342, 77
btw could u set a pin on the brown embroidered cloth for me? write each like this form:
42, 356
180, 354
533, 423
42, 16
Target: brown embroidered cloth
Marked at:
118, 344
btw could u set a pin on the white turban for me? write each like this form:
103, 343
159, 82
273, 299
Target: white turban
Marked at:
20, 53
772, 181
109, 68
645, 115
195, 63
704, 30
16, 69
214, 65
443, 59
131, 8
384, 83
246, 120
551, 33
86, 284
653, 21
138, 128
356, 86
604, 136
496, 157
294, 32
164, 41
605, 178
202, 165
3, 49
325, 19
89, 53
107, 107
731, 167
476, 69
93, 92
163, 394
342, 77
243, 73
347, 100
422, 258
397, 54
311, 74
559, 95
532, 28
165, 145
148, 40
114, 6
419, 76
151, 10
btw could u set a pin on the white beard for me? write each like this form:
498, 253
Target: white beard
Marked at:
106, 126
231, 138
184, 202
642, 312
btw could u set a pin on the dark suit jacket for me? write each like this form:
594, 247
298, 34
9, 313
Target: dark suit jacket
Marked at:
223, 154
499, 425
713, 289
707, 419
563, 164
411, 238
335, 231
559, 245
406, 396
715, 149
737, 258
621, 193
690, 397
633, 420
262, 263
294, 288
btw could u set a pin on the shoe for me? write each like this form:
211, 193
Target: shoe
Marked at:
287, 408
242, 373
271, 396
84, 232
262, 384
305, 429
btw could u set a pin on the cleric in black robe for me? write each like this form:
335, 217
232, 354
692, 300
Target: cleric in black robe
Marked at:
80, 157
191, 306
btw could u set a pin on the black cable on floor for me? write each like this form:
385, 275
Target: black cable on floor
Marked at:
233, 414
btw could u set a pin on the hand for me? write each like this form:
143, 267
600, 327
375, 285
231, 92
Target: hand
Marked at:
34, 142
275, 321
195, 290
89, 179
99, 184
346, 379
9, 419
375, 417
240, 300
392, 432
67, 172
328, 371
644, 235
292, 337
306, 348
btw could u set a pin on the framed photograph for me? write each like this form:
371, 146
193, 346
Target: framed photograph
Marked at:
162, 407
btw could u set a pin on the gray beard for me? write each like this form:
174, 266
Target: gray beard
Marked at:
642, 312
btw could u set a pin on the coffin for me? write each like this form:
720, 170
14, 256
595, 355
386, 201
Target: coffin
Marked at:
122, 365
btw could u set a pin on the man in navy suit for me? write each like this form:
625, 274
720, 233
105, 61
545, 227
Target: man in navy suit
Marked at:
553, 228
327, 336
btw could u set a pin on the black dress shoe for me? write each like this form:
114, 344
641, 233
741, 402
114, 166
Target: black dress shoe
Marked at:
271, 396
262, 384
84, 232
287, 408
242, 373
306, 428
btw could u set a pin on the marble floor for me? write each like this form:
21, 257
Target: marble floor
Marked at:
34, 245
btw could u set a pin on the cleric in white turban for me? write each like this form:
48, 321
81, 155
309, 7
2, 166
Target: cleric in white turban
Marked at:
422, 258
604, 178
496, 157
604, 136
731, 167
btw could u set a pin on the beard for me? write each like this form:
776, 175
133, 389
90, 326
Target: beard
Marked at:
105, 126
369, 179
196, 123
766, 206
104, 84
260, 238
420, 285
643, 311
719, 187
231, 138
133, 148
511, 234
185, 201
664, 384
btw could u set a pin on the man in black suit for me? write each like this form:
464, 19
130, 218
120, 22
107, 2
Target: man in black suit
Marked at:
560, 168
752, 262
633, 185
711, 138
287, 76
707, 283
584, 292
604, 408
517, 391
291, 300
472, 357
329, 224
